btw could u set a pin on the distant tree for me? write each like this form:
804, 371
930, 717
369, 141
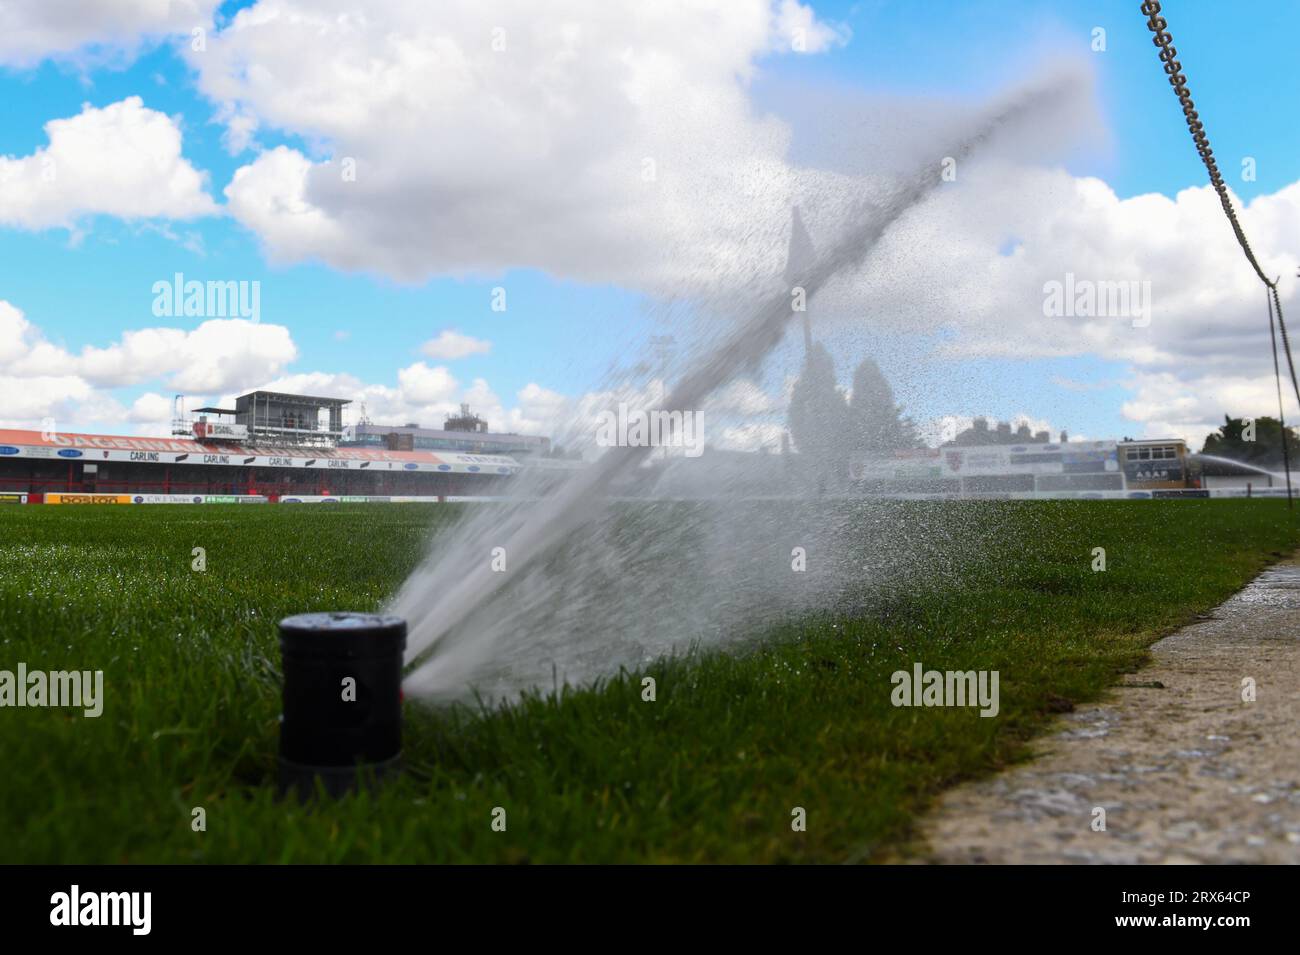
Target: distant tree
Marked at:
819, 417
1232, 440
876, 422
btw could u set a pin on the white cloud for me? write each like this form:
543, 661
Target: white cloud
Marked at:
270, 197
39, 383
422, 385
751, 437
600, 141
1168, 405
537, 410
942, 270
540, 410
218, 354
151, 413
216, 361
41, 378
741, 397
32, 30
122, 160
798, 29
451, 345
28, 399
1207, 305
150, 406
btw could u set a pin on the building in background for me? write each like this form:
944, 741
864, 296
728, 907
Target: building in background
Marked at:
271, 445
990, 459
1148, 468
268, 417
465, 432
412, 437
979, 434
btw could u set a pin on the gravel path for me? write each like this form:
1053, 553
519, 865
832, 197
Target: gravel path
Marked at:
1186, 771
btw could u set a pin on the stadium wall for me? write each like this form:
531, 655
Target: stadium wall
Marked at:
38, 464
45, 477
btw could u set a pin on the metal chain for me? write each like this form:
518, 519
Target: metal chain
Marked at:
1174, 70
1281, 413
1168, 56
1286, 341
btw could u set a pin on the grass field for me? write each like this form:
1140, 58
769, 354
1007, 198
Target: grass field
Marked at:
710, 771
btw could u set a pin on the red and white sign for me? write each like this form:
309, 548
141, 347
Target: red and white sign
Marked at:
220, 431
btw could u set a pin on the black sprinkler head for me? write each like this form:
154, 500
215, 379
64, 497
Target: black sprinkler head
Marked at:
342, 720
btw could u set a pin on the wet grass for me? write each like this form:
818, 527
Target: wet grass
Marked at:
712, 770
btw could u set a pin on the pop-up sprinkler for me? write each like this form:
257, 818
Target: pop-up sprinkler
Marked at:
342, 720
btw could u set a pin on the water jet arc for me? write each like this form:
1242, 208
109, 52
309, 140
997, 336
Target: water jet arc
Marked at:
466, 583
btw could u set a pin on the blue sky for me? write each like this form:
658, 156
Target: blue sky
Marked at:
88, 286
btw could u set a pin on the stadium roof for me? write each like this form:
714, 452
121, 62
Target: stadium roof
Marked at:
296, 399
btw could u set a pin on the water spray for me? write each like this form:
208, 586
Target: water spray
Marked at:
342, 720
437, 652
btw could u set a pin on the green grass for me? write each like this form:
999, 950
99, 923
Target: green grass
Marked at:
708, 772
